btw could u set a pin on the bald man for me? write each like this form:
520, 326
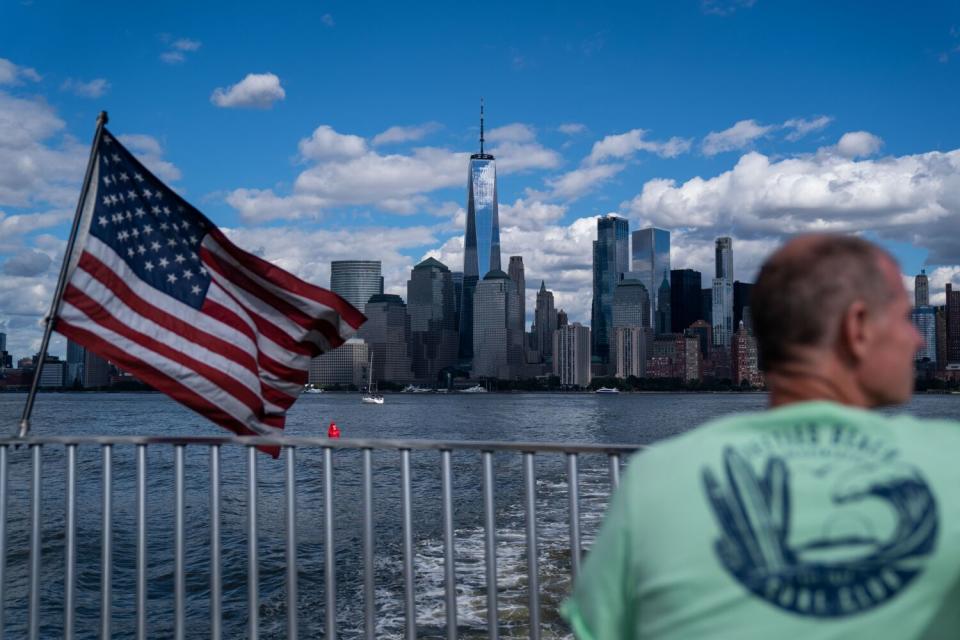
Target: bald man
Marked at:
818, 518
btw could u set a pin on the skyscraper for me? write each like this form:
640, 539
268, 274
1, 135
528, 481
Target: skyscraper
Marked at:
482, 236
571, 355
356, 280
650, 264
741, 305
631, 304
953, 325
433, 326
609, 263
925, 320
344, 366
921, 289
629, 348
387, 333
544, 322
497, 328
684, 299
663, 306
515, 271
723, 293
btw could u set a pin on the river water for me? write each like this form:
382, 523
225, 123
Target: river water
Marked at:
624, 418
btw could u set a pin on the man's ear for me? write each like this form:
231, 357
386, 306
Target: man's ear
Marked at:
856, 331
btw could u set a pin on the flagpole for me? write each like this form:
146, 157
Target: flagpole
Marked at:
61, 282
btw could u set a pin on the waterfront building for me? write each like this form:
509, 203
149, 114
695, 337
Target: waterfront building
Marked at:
925, 320
674, 355
921, 289
433, 323
6, 360
741, 304
941, 316
562, 319
544, 323
663, 307
684, 299
610, 254
96, 371
515, 271
356, 280
650, 263
457, 278
73, 373
952, 325
631, 304
630, 348
481, 239
53, 372
3, 341
571, 355
497, 328
703, 331
344, 366
722, 297
706, 305
743, 358
387, 333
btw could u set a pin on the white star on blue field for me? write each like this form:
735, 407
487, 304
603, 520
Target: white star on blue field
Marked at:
313, 132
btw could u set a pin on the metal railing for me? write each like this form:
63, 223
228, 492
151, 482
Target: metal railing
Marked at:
289, 448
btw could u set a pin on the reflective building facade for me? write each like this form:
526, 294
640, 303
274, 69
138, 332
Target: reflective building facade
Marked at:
497, 328
433, 319
356, 280
651, 263
481, 238
685, 306
609, 263
631, 304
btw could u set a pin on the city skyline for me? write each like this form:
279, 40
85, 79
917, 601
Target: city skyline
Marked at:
365, 151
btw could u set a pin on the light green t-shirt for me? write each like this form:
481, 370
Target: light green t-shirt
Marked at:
813, 520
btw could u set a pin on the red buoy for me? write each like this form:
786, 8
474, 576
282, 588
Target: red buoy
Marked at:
333, 431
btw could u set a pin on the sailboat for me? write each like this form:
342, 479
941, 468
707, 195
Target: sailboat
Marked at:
370, 397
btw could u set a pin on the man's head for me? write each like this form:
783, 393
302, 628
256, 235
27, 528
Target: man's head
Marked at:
835, 306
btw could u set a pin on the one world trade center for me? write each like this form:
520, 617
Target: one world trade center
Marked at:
482, 238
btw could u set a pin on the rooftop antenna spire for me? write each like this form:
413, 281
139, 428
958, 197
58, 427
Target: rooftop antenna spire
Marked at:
481, 126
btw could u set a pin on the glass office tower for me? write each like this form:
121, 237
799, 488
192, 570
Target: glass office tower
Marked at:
609, 263
651, 263
356, 280
482, 237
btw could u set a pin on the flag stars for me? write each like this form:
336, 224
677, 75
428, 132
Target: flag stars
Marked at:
107, 180
187, 273
131, 252
147, 193
164, 226
195, 290
141, 212
147, 230
115, 158
155, 210
103, 221
148, 266
141, 249
203, 271
135, 233
171, 278
138, 177
166, 210
163, 262
122, 236
179, 258
106, 201
171, 242
131, 194
155, 246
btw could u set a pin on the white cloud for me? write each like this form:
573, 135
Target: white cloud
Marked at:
177, 49
92, 89
398, 134
514, 156
624, 145
257, 90
801, 126
739, 136
573, 184
149, 151
27, 263
572, 128
13, 74
325, 144
528, 215
857, 144
515, 132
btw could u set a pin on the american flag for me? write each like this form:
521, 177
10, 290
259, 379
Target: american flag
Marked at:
159, 290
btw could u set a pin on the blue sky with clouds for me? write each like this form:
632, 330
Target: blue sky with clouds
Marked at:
337, 130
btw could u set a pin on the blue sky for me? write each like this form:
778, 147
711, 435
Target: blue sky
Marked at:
341, 130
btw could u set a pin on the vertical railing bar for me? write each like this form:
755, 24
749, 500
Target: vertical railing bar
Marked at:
70, 560
614, 460
179, 573
490, 544
407, 516
106, 546
573, 492
216, 584
253, 573
449, 570
34, 613
369, 595
533, 582
141, 588
3, 535
292, 599
329, 555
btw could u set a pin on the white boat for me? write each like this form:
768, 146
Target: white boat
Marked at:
607, 390
474, 389
312, 390
412, 388
371, 397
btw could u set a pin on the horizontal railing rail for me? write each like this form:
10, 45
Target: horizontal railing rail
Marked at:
33, 595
